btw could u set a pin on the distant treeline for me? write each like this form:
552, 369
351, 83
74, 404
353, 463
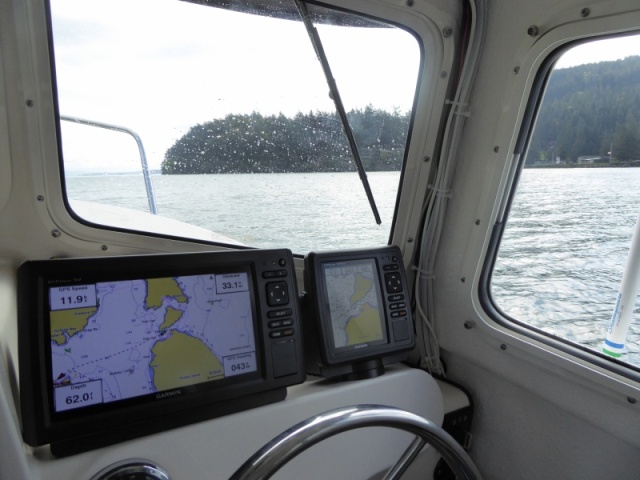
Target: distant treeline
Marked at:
590, 110
309, 142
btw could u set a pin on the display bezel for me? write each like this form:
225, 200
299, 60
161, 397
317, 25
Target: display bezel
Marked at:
139, 415
322, 356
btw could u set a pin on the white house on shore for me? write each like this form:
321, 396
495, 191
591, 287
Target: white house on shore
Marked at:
588, 159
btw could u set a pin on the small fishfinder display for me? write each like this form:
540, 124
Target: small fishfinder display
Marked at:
117, 340
356, 306
359, 317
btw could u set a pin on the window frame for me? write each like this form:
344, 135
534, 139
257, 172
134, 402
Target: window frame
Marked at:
487, 301
82, 222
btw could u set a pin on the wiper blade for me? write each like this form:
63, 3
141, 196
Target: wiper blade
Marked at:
337, 100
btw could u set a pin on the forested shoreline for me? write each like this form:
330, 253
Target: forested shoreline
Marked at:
309, 142
590, 111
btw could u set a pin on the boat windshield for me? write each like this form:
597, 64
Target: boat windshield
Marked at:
240, 133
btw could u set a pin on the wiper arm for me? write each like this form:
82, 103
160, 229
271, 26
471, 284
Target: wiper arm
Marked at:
335, 95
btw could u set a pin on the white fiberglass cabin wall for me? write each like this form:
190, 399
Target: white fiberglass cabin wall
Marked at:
476, 159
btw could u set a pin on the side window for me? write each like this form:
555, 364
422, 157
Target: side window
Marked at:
228, 107
567, 240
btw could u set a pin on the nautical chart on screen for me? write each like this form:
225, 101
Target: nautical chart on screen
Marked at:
117, 340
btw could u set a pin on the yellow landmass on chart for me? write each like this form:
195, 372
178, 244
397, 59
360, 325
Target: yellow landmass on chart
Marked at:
364, 328
170, 317
67, 323
363, 285
158, 288
182, 360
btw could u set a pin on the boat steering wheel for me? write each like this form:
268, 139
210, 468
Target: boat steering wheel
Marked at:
286, 446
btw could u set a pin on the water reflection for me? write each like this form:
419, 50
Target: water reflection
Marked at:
564, 249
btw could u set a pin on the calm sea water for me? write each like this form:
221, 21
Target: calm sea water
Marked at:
563, 254
303, 212
560, 262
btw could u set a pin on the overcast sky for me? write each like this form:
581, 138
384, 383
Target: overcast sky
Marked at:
161, 66
600, 51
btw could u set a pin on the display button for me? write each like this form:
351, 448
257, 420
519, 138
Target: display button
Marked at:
284, 355
401, 331
287, 332
396, 298
393, 282
277, 294
275, 274
285, 312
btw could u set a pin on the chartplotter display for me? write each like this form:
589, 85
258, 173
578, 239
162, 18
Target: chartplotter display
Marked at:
356, 306
117, 340
113, 348
359, 312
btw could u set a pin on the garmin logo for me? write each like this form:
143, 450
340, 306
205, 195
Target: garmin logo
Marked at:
362, 345
171, 393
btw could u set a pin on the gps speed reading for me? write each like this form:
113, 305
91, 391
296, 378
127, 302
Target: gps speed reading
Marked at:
117, 340
75, 296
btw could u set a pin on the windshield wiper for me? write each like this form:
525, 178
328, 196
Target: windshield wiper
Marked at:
335, 95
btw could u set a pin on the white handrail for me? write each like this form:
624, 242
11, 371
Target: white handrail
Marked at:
623, 311
143, 157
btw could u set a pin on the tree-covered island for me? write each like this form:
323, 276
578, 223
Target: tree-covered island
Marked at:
311, 142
